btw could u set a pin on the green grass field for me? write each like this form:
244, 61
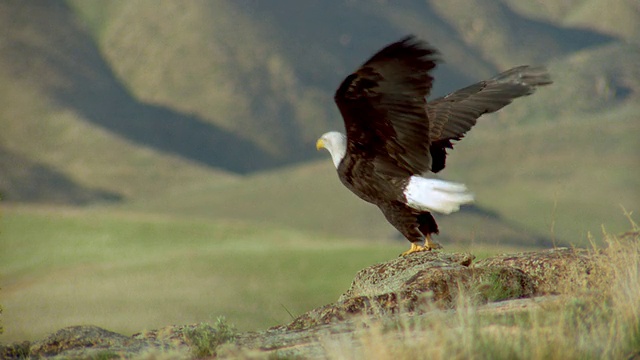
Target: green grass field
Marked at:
129, 272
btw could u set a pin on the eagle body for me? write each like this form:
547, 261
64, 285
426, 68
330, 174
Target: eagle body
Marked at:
395, 140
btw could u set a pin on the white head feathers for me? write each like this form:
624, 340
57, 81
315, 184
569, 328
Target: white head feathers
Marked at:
336, 143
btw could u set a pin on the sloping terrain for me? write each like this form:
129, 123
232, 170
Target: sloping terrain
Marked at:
62, 107
162, 106
25, 180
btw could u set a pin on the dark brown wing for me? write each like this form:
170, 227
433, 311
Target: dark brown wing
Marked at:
451, 116
384, 108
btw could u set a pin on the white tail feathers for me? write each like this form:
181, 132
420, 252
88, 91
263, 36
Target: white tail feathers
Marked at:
436, 195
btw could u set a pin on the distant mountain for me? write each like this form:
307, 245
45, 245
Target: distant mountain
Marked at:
134, 100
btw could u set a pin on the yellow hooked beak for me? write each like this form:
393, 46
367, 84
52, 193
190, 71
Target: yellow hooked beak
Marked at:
319, 144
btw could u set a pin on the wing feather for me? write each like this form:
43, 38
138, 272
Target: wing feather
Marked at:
384, 108
453, 115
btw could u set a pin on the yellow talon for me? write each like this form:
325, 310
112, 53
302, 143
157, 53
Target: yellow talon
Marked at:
414, 248
430, 244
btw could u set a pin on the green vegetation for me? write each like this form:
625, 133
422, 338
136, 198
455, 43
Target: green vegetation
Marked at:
106, 355
492, 288
188, 237
204, 339
151, 271
17, 350
127, 271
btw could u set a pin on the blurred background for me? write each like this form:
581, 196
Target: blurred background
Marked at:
157, 158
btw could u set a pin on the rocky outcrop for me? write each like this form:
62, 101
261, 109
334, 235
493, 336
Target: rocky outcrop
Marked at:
554, 271
88, 342
389, 276
418, 281
414, 285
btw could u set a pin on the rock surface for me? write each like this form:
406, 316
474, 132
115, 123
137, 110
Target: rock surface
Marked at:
411, 286
87, 342
553, 271
389, 276
407, 284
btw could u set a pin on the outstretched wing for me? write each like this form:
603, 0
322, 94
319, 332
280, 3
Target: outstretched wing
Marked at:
384, 108
451, 116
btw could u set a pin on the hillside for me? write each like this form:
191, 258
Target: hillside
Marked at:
62, 107
185, 108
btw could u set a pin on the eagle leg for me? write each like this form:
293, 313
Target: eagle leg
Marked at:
430, 244
414, 248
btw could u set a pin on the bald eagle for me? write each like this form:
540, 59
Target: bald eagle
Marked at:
395, 139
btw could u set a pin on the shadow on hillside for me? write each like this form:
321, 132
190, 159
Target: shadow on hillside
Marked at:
65, 60
28, 181
164, 129
99, 96
90, 87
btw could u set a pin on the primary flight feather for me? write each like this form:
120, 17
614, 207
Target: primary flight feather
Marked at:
394, 138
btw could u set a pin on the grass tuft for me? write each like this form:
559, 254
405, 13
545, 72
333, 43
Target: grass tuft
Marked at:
204, 339
106, 355
17, 350
494, 288
601, 319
